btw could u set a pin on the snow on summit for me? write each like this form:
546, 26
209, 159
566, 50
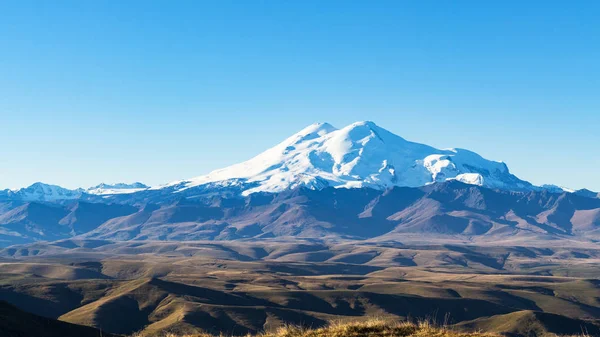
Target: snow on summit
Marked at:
361, 154
44, 192
119, 188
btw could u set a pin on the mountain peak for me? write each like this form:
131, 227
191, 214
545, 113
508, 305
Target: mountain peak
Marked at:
118, 188
364, 123
319, 127
587, 193
359, 130
364, 126
361, 154
40, 184
120, 185
312, 131
39, 191
322, 125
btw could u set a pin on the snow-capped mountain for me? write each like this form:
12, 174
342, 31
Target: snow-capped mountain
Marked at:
43, 192
359, 155
557, 189
119, 188
47, 192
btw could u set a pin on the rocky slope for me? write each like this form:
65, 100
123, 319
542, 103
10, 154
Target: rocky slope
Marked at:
444, 209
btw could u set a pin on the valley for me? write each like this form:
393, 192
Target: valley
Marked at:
239, 287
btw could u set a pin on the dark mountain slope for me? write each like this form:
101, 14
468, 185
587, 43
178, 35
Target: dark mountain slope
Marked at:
17, 323
450, 208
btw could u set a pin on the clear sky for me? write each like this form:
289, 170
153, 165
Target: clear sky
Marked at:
155, 91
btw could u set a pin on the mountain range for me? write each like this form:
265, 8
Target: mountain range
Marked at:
447, 210
359, 155
46, 192
358, 182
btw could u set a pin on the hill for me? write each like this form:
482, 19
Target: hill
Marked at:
240, 287
383, 328
532, 323
17, 323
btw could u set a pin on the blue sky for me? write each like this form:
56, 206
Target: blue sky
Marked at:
155, 91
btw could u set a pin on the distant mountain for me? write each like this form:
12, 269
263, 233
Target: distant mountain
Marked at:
22, 222
120, 188
587, 193
359, 155
53, 193
440, 210
556, 188
42, 192
450, 208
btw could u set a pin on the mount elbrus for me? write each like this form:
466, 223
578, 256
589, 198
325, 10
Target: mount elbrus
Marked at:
358, 182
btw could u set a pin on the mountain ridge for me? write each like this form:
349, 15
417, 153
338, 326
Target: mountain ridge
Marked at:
359, 155
450, 209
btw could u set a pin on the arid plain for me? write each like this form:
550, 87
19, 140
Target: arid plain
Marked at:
239, 287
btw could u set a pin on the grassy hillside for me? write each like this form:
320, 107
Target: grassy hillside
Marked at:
531, 323
370, 328
506, 327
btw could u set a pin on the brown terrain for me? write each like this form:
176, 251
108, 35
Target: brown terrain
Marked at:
238, 287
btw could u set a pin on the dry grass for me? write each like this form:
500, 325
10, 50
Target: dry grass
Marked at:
370, 328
